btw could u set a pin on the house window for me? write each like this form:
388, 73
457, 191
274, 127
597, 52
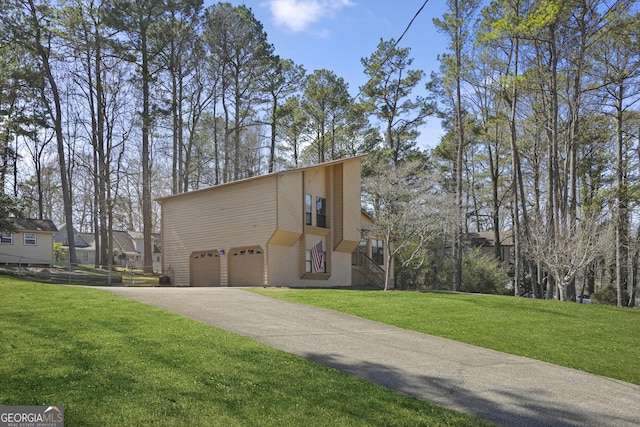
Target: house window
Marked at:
315, 260
321, 212
6, 238
30, 239
85, 257
377, 251
307, 209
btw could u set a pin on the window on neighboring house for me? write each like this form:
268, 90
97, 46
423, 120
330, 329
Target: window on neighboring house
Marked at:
85, 257
321, 212
377, 251
6, 238
307, 209
30, 239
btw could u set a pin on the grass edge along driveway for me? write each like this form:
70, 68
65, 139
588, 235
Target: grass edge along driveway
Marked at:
599, 339
114, 362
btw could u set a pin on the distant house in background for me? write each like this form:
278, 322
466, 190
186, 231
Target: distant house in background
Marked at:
486, 241
30, 245
294, 228
127, 249
156, 246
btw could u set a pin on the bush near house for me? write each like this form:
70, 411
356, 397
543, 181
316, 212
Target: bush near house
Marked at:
482, 273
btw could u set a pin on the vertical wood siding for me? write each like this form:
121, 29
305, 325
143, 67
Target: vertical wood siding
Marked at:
266, 212
337, 205
351, 205
290, 202
231, 216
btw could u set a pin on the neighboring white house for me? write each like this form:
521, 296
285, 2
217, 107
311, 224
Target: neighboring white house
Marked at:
294, 228
127, 248
138, 242
30, 245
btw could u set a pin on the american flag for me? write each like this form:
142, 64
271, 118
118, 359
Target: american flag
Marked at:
317, 258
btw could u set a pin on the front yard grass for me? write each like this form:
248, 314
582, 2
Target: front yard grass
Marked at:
114, 362
594, 338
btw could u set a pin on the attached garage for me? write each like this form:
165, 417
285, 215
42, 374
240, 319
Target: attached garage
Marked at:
205, 268
257, 231
246, 266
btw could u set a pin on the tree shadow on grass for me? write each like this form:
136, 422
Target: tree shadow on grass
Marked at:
520, 407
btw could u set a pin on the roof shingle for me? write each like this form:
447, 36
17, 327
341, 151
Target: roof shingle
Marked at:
29, 224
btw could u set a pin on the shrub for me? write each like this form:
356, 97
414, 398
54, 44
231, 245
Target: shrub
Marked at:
482, 273
607, 295
59, 252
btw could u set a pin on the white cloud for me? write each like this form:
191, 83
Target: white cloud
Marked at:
300, 15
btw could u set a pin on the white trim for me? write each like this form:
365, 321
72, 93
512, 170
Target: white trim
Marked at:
28, 243
4, 236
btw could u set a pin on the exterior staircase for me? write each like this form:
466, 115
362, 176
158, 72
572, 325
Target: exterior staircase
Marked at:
366, 271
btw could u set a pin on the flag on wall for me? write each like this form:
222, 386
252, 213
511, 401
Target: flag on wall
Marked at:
317, 258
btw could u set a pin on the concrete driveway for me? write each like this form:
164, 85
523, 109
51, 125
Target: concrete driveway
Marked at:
502, 388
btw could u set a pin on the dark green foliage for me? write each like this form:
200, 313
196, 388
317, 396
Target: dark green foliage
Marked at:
482, 273
607, 295
8, 207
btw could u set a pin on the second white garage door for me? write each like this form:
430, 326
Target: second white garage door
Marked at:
246, 266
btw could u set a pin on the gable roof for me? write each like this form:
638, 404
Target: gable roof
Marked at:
487, 238
29, 224
259, 177
121, 240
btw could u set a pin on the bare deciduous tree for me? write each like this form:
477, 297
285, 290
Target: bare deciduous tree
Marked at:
571, 249
406, 213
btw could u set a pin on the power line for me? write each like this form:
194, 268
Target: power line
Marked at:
394, 46
411, 22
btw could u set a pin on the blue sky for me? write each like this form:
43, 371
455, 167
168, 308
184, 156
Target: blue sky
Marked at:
336, 34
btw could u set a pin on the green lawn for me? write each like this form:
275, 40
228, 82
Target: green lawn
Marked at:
600, 339
114, 362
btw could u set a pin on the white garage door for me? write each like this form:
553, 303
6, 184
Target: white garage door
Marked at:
246, 266
205, 268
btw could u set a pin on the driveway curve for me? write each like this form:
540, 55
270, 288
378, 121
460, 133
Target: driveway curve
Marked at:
505, 389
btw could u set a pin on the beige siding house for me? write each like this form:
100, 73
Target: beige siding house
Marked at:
295, 228
31, 244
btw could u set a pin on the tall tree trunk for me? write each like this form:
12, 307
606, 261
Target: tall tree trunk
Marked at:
236, 131
272, 145
96, 212
56, 116
460, 147
552, 150
176, 160
147, 262
622, 218
495, 212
